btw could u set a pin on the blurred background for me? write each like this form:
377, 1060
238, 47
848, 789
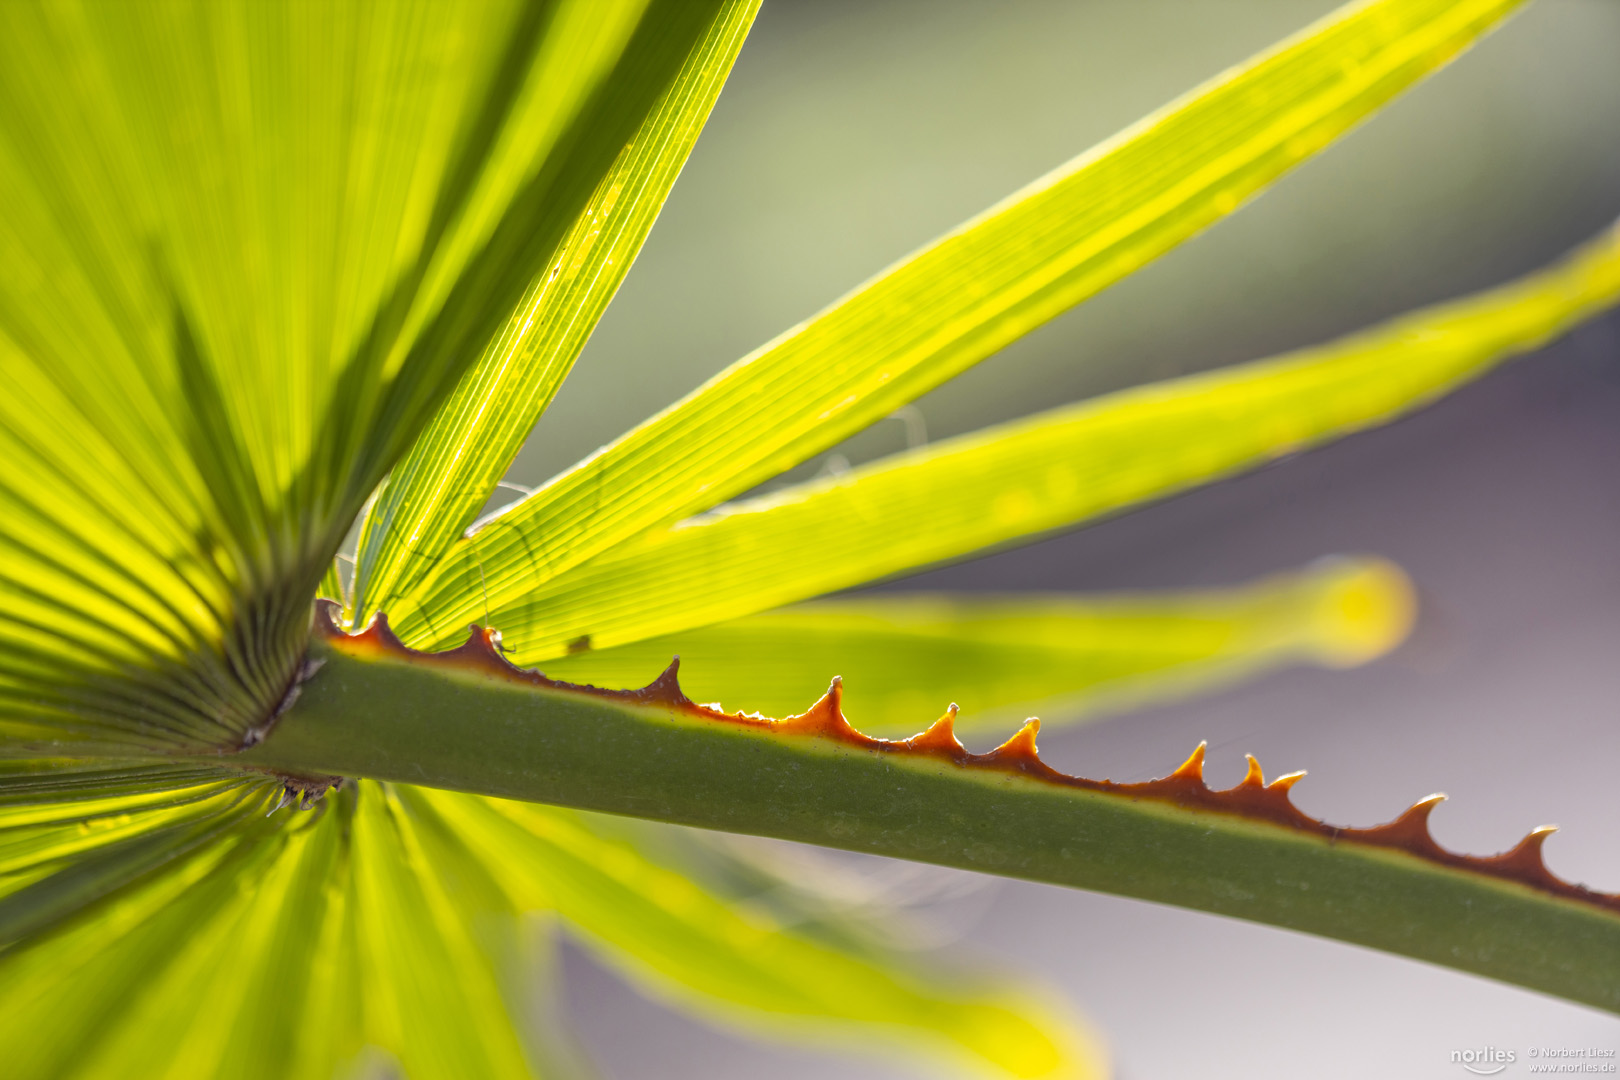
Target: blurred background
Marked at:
852, 133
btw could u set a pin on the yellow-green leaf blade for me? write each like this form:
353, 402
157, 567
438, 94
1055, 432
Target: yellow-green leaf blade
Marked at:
91, 985
247, 249
53, 871
245, 992
666, 930
432, 997
1003, 658
437, 488
1043, 250
1047, 472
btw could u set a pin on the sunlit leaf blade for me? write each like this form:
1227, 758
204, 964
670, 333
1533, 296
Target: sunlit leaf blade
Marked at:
288, 944
70, 995
515, 939
68, 991
244, 992
331, 586
282, 950
299, 1010
667, 932
1049, 471
247, 249
432, 994
1046, 248
60, 858
1007, 657
441, 484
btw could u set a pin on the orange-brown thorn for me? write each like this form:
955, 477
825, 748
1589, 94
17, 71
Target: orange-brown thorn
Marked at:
1410, 831
667, 687
1285, 783
1020, 745
1019, 752
1193, 767
1525, 858
1252, 798
825, 718
940, 738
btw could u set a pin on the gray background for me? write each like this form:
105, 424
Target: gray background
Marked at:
851, 133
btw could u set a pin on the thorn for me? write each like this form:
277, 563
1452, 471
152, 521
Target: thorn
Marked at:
940, 736
1022, 742
1193, 767
835, 696
1286, 781
483, 643
286, 793
1525, 856
1254, 777
667, 687
1411, 830
825, 717
1536, 838
1416, 816
328, 616
378, 634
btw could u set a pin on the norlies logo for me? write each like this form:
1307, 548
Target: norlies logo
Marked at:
1485, 1061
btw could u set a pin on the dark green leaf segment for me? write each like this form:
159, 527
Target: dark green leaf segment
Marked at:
467, 720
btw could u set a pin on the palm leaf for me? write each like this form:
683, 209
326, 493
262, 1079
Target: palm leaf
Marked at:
250, 248
1009, 656
1044, 249
669, 933
255, 257
435, 492
392, 918
1049, 471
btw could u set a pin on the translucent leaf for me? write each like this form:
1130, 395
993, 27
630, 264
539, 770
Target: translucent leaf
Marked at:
432, 994
1044, 249
665, 931
437, 489
1047, 472
247, 250
298, 943
331, 586
83, 985
1007, 657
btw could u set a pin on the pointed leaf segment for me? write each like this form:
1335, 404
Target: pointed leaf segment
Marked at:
436, 490
155, 920
380, 709
1049, 471
1045, 249
677, 939
248, 250
1066, 657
